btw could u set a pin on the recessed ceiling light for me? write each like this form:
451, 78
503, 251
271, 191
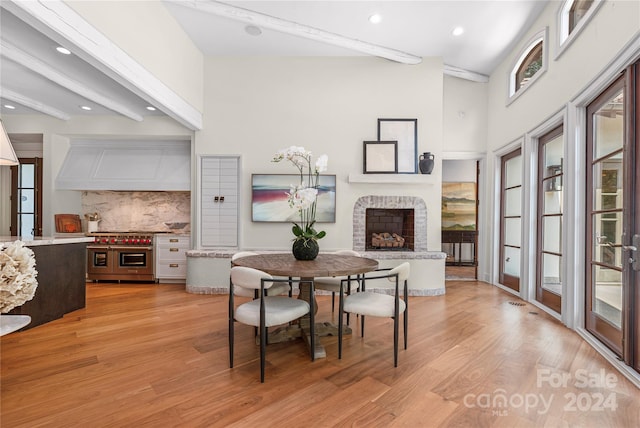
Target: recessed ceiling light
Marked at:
253, 30
85, 108
151, 108
9, 106
63, 50
458, 31
375, 18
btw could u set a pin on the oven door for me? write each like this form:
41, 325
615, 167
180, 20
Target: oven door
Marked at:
99, 261
135, 263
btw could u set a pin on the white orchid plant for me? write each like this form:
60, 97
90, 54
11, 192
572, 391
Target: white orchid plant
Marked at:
304, 196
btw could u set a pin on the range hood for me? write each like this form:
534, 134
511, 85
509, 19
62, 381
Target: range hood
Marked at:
126, 165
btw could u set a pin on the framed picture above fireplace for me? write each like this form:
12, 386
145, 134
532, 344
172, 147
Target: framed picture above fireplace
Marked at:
380, 157
269, 198
405, 132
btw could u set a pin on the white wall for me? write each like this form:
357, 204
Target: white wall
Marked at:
147, 32
465, 116
256, 106
56, 137
459, 171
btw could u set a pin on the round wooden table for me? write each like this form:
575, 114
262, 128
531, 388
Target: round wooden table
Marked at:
324, 265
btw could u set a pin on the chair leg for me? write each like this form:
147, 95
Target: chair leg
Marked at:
333, 301
406, 325
340, 327
395, 341
362, 326
263, 351
231, 327
312, 327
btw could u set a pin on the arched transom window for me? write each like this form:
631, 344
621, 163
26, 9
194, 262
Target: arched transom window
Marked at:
530, 64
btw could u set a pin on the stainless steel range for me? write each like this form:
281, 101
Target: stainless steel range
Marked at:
121, 256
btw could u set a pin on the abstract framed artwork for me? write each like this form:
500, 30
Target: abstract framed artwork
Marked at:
269, 198
405, 132
380, 157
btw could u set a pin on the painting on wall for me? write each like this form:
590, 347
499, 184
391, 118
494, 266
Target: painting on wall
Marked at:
458, 206
269, 198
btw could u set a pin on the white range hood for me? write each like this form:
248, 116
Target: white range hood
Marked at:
126, 165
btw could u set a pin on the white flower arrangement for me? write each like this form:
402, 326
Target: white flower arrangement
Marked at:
17, 275
303, 197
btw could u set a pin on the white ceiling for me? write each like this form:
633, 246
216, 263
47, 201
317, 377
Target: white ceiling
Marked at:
35, 78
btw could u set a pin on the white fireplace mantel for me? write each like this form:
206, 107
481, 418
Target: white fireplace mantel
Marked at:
393, 178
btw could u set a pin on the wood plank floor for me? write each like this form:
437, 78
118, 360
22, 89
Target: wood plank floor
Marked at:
152, 355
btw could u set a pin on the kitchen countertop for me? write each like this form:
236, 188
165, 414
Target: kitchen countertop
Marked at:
67, 238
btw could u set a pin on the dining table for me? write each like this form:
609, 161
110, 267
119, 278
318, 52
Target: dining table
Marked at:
324, 265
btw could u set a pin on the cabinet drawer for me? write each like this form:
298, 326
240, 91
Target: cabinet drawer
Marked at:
171, 270
178, 241
172, 253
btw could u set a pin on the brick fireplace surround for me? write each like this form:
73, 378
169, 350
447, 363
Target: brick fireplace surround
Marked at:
389, 202
420, 257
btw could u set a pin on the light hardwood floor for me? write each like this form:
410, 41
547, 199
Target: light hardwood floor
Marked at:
153, 355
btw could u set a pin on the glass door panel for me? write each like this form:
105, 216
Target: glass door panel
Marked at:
549, 267
605, 215
510, 219
552, 273
512, 232
552, 234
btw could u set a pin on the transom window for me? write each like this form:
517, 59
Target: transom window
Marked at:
573, 16
530, 64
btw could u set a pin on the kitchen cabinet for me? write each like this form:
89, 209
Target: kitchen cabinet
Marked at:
219, 177
171, 257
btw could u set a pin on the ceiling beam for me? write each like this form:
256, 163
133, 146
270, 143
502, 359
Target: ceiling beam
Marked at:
290, 27
25, 59
59, 21
16, 97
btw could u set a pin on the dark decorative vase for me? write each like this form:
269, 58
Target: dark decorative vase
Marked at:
305, 249
426, 163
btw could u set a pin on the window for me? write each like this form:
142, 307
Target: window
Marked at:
573, 16
530, 64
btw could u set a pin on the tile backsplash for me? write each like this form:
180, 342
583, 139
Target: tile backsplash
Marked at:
141, 211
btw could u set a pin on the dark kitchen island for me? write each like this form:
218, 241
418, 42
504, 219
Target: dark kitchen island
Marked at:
61, 263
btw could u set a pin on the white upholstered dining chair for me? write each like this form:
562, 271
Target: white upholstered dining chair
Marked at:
332, 283
378, 303
274, 290
265, 311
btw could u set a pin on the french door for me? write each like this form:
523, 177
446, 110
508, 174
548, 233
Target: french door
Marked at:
26, 198
510, 219
549, 265
612, 214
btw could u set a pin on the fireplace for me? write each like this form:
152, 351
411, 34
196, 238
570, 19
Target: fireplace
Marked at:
405, 216
389, 229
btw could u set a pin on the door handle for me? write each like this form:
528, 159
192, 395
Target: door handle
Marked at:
634, 259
